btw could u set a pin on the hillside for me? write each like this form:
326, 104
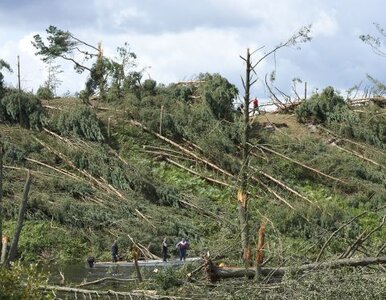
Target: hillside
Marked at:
124, 180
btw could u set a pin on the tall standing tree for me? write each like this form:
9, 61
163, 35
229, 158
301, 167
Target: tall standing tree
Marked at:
248, 81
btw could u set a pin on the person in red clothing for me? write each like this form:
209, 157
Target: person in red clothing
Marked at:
255, 104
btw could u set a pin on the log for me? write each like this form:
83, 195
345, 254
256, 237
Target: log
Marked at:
335, 232
299, 163
360, 156
284, 186
198, 174
97, 293
273, 192
215, 273
101, 280
213, 166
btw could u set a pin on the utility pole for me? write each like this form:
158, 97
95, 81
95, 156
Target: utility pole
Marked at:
160, 119
19, 91
305, 90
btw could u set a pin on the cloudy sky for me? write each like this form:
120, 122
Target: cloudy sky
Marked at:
175, 40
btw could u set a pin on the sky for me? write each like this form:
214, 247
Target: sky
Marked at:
175, 40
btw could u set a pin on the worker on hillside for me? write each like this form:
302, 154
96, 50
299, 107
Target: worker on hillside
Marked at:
164, 250
114, 251
182, 246
255, 104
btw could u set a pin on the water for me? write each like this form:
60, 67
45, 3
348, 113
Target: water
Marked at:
77, 273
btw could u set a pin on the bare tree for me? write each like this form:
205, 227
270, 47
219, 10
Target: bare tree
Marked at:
301, 36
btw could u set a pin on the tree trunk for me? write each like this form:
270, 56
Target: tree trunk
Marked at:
259, 251
22, 210
214, 273
1, 195
4, 245
242, 195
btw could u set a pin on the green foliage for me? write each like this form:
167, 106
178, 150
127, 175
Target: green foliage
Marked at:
44, 240
3, 65
320, 106
22, 283
45, 93
219, 94
31, 110
80, 122
64, 45
168, 278
17, 152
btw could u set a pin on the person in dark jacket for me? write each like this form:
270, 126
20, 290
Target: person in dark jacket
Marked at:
91, 261
164, 250
114, 251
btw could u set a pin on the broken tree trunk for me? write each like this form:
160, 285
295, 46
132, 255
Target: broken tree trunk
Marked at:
1, 197
4, 245
215, 273
22, 210
259, 251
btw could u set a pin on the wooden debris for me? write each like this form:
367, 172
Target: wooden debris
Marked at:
104, 279
215, 273
335, 232
299, 163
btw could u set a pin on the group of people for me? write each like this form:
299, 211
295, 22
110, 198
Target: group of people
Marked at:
182, 247
255, 106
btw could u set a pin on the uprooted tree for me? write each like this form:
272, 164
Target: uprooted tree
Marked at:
302, 36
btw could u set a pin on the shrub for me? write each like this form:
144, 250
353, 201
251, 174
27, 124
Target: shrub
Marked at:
319, 107
79, 123
22, 282
31, 109
168, 278
45, 93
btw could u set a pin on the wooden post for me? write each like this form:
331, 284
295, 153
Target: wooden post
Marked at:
259, 251
160, 119
4, 243
19, 92
305, 90
108, 127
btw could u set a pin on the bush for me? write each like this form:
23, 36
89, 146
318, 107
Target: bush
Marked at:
22, 282
79, 123
31, 110
319, 107
168, 278
45, 93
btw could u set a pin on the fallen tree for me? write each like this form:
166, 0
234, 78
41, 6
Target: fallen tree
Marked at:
215, 273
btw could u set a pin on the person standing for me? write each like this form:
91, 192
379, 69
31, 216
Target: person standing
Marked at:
183, 246
164, 250
114, 251
255, 103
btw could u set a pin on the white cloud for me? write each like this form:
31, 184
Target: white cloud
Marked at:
325, 24
180, 38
